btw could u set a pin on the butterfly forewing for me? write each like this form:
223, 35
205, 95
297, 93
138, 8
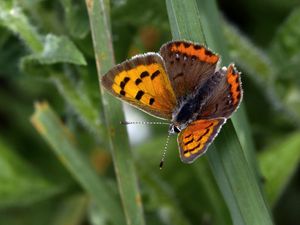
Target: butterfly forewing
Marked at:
194, 140
142, 81
188, 65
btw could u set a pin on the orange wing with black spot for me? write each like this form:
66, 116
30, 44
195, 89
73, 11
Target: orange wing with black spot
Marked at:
226, 96
188, 65
194, 140
142, 81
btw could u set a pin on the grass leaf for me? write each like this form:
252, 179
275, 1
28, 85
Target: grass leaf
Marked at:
56, 50
232, 165
278, 163
13, 18
76, 17
285, 52
60, 139
285, 45
20, 183
116, 135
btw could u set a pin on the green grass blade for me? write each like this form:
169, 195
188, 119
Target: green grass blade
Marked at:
21, 184
212, 193
262, 70
12, 17
117, 135
60, 139
285, 45
72, 211
236, 180
231, 164
47, 52
210, 22
163, 198
58, 49
278, 163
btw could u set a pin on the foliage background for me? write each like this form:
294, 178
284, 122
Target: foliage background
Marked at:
47, 54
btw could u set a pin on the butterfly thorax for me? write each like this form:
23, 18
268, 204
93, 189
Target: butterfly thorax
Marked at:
190, 107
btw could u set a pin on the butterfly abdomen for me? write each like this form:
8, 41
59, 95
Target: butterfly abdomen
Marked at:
191, 106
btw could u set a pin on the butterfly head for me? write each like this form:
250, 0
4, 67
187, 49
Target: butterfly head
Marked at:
176, 128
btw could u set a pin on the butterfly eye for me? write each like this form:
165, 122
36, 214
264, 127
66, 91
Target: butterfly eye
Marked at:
176, 129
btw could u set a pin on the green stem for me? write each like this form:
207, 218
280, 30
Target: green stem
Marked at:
233, 166
116, 134
60, 139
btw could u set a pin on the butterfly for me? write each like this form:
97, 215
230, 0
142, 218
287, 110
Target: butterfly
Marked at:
183, 84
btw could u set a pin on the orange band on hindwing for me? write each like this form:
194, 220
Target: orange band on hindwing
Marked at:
194, 139
233, 78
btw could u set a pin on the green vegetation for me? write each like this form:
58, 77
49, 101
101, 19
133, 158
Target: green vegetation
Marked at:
65, 158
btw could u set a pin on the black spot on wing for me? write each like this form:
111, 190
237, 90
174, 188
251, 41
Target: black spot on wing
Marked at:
205, 133
188, 136
139, 95
144, 74
138, 81
186, 45
189, 142
155, 74
151, 101
122, 92
197, 146
197, 47
124, 82
208, 53
209, 125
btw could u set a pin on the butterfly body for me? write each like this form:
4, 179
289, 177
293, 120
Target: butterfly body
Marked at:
182, 83
190, 107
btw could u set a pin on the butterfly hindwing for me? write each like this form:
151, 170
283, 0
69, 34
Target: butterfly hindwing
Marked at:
188, 65
194, 140
142, 81
227, 95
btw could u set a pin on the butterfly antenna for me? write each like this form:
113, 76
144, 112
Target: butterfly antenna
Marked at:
165, 151
144, 123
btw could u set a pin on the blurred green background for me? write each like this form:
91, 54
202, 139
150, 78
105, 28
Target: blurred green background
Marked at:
46, 54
